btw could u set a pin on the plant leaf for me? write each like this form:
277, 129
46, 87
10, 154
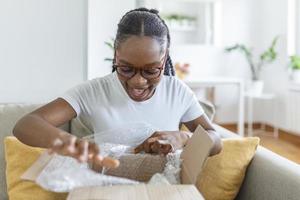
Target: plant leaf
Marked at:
294, 62
270, 54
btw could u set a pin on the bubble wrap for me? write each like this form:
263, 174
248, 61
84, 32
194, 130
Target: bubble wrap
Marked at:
62, 174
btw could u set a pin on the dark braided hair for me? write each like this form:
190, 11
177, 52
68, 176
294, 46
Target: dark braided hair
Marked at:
144, 22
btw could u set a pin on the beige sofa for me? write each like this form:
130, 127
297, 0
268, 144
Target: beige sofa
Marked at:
269, 176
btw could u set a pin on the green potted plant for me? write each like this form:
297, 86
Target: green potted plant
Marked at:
294, 65
266, 57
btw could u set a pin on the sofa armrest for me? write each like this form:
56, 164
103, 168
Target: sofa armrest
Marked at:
225, 133
270, 176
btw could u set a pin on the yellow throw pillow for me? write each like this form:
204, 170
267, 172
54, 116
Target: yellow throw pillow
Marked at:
19, 157
223, 174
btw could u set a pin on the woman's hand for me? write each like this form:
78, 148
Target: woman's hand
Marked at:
164, 142
83, 151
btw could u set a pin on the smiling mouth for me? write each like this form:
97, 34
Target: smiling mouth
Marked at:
138, 93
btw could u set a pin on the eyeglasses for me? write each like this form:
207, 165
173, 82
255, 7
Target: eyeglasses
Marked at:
129, 72
147, 73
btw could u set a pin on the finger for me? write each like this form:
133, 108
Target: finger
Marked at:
98, 159
70, 145
165, 149
106, 162
96, 167
147, 147
164, 136
148, 144
139, 148
155, 134
82, 155
155, 147
93, 150
96, 163
153, 139
164, 146
110, 162
56, 146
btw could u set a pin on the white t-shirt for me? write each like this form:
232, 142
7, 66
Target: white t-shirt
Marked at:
103, 103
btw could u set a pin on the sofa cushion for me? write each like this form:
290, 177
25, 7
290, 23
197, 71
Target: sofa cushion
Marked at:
9, 115
19, 157
223, 174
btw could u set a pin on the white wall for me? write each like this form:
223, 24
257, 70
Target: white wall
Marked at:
102, 25
42, 48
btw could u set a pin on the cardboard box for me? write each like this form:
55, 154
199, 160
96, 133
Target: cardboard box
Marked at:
194, 155
138, 192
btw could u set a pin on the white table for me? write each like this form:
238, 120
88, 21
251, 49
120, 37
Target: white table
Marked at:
215, 81
261, 97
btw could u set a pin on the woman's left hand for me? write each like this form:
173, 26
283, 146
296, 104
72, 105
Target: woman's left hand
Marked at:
164, 142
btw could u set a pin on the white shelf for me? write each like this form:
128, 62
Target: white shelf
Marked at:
192, 21
183, 29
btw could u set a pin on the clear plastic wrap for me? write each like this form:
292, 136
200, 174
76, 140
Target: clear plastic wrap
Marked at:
131, 134
62, 174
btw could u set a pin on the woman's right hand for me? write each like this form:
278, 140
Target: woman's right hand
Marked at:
82, 150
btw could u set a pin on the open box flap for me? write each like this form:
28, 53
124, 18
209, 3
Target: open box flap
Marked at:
194, 155
34, 170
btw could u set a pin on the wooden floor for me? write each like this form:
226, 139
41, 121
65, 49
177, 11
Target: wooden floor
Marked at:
286, 145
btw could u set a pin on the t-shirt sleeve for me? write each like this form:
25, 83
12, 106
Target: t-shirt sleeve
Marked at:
75, 97
193, 108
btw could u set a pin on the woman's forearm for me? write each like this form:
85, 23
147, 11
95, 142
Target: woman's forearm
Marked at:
217, 148
35, 131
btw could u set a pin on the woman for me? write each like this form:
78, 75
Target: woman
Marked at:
142, 87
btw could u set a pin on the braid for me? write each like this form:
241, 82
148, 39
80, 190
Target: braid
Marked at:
169, 69
144, 22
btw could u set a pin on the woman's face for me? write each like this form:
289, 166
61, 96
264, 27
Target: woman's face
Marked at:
140, 53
